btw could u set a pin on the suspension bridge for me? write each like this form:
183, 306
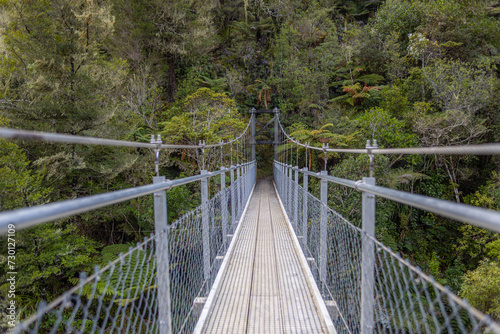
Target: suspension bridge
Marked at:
258, 256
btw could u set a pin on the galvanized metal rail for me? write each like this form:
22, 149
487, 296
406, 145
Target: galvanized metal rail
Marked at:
28, 217
373, 289
151, 296
341, 280
9, 133
142, 281
479, 149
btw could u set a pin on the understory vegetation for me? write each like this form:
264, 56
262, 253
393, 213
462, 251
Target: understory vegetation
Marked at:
406, 73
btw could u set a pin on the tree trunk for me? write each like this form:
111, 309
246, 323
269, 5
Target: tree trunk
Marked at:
171, 85
453, 178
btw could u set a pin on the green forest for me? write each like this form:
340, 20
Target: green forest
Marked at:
406, 73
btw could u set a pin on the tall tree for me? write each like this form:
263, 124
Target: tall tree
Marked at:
60, 79
185, 28
54, 49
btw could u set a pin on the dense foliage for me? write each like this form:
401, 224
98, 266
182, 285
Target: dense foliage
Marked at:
406, 73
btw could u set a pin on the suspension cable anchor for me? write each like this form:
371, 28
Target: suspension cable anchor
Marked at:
158, 143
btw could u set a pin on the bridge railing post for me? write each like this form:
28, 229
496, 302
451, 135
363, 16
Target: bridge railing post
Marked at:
245, 181
285, 186
254, 173
243, 186
323, 229
276, 133
238, 181
205, 223
279, 173
162, 259
290, 193
233, 200
252, 111
368, 260
283, 180
287, 181
305, 217
296, 200
287, 178
223, 207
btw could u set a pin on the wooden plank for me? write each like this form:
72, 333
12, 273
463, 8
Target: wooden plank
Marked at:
263, 288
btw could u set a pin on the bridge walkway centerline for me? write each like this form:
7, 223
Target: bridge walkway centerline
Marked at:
264, 288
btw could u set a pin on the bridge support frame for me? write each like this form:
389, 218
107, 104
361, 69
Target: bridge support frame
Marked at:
368, 260
205, 223
162, 259
264, 126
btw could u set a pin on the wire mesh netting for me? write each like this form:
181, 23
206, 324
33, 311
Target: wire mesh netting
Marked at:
123, 297
406, 300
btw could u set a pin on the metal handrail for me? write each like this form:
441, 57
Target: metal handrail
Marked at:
481, 217
479, 149
9, 133
28, 217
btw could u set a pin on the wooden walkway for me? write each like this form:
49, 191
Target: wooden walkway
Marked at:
263, 287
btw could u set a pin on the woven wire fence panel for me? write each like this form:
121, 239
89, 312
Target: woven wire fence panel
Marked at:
122, 296
217, 245
119, 298
406, 299
409, 301
296, 207
186, 269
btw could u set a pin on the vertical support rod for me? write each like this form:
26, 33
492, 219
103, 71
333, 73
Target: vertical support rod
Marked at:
162, 259
296, 201
323, 228
205, 223
368, 260
305, 217
233, 201
223, 206
253, 133
276, 133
